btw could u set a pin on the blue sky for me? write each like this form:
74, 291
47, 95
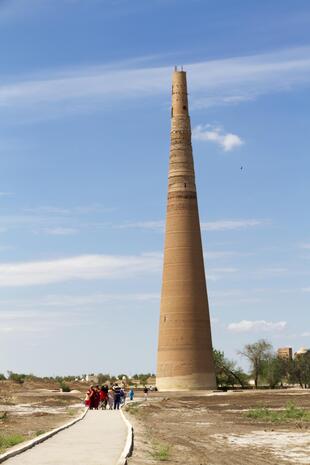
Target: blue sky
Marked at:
84, 146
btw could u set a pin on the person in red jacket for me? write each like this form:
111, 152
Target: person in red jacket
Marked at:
103, 397
90, 397
96, 398
87, 397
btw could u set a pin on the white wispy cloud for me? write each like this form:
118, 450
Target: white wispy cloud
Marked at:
219, 225
221, 254
89, 267
60, 231
48, 210
227, 269
245, 326
17, 328
67, 211
97, 299
156, 225
52, 312
305, 246
84, 267
305, 334
15, 308
54, 220
5, 247
235, 297
6, 194
39, 324
19, 10
226, 225
270, 271
215, 274
208, 133
213, 82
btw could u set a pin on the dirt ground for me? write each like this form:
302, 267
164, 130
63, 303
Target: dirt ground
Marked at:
213, 430
33, 408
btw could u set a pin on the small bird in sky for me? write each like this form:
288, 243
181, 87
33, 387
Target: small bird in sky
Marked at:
241, 168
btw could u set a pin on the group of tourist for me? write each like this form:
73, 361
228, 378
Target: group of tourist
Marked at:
107, 397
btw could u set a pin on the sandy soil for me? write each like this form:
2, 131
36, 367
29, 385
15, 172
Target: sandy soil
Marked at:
36, 407
213, 430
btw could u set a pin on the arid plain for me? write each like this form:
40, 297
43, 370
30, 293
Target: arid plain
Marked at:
216, 429
35, 407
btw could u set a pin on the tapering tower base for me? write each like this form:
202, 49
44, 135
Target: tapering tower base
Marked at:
194, 382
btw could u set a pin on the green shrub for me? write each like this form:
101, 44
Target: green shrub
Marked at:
64, 387
161, 452
291, 412
7, 441
39, 432
133, 408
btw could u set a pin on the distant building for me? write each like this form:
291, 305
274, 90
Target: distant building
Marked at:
151, 380
92, 379
285, 353
302, 351
134, 382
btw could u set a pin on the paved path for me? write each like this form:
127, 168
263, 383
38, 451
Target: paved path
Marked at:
98, 439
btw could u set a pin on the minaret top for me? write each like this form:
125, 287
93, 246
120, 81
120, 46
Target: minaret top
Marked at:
179, 93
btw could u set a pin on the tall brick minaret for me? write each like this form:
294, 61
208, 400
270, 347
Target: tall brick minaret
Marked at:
185, 347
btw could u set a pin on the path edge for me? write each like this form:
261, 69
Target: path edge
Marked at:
127, 451
39, 439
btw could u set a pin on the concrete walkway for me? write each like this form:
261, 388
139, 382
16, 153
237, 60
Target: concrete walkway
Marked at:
98, 439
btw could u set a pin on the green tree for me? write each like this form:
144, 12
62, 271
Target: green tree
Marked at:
142, 377
16, 377
274, 370
226, 371
257, 353
69, 378
103, 378
299, 370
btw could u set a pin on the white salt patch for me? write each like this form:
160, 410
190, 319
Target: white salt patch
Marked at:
249, 409
198, 423
285, 445
203, 423
28, 409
